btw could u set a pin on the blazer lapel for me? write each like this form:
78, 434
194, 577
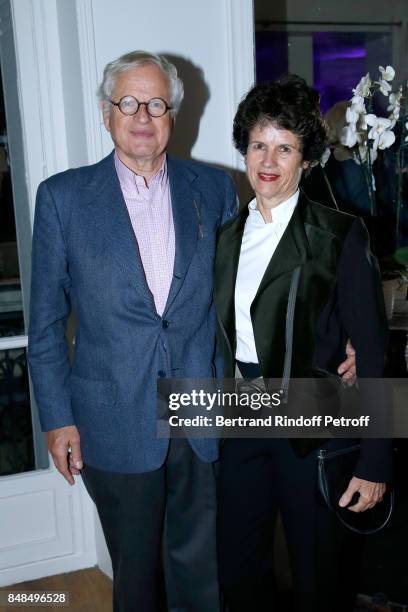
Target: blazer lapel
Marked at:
186, 208
292, 250
225, 275
269, 307
106, 196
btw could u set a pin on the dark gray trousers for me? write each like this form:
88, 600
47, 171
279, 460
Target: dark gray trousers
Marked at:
172, 509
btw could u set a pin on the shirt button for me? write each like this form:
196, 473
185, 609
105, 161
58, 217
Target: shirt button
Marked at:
161, 374
165, 323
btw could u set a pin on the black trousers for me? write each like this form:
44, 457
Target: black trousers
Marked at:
170, 510
258, 477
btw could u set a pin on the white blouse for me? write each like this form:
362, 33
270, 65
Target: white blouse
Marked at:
259, 243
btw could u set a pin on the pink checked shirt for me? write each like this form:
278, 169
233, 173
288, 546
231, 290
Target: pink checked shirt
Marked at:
151, 216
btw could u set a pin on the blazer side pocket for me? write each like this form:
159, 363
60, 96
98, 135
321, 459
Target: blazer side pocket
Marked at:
87, 392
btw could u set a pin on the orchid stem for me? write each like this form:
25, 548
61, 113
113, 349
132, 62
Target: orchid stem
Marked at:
370, 168
367, 177
399, 191
400, 169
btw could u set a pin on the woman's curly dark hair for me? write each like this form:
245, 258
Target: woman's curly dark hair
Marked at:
289, 103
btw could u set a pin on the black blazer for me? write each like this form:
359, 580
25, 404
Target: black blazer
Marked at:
339, 297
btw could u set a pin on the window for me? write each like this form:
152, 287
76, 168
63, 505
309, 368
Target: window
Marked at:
21, 448
331, 58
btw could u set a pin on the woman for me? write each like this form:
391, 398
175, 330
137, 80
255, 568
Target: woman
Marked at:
279, 130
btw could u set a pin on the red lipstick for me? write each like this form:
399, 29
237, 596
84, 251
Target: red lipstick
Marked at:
268, 178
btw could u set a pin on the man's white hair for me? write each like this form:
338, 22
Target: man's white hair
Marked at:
133, 60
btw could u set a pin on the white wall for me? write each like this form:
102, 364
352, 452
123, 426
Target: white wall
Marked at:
72, 83
214, 37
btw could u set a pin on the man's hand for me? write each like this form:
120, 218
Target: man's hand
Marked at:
347, 369
64, 446
370, 494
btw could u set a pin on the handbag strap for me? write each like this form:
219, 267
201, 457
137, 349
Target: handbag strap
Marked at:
290, 315
375, 529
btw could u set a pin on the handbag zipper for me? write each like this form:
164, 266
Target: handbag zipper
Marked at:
324, 454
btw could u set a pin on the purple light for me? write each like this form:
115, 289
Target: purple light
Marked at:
356, 53
340, 59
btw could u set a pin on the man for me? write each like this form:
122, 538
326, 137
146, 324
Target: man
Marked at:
128, 245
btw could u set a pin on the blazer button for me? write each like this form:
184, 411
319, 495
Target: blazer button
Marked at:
165, 323
161, 374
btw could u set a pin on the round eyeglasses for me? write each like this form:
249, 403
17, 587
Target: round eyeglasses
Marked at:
155, 107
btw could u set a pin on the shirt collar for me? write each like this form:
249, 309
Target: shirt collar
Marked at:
130, 181
281, 214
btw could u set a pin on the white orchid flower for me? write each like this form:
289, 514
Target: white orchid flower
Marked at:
366, 133
385, 87
394, 116
371, 119
388, 73
362, 123
357, 102
395, 113
325, 157
348, 136
380, 133
394, 101
363, 87
386, 139
352, 114
378, 124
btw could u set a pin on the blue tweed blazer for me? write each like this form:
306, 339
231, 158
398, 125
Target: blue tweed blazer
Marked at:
85, 259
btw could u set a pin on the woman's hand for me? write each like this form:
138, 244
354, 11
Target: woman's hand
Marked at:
370, 494
347, 369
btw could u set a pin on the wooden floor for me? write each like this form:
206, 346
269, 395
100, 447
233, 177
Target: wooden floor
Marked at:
90, 590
